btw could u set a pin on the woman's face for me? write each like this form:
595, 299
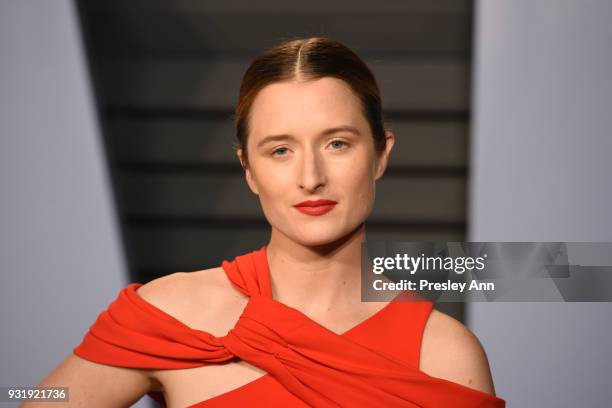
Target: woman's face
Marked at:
310, 141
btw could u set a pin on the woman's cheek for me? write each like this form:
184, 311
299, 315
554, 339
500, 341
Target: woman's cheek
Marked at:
364, 200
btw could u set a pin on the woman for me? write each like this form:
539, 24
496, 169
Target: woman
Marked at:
284, 325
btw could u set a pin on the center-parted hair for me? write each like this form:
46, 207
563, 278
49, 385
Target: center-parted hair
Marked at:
304, 60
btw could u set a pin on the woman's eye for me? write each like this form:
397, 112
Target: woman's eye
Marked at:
338, 144
281, 151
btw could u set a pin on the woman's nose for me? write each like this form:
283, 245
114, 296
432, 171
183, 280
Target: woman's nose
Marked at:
311, 172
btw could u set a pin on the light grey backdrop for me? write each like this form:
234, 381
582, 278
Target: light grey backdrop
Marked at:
61, 260
541, 171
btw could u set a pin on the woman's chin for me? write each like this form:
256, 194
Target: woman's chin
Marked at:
319, 238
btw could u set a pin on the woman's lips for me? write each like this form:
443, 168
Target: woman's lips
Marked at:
318, 207
318, 210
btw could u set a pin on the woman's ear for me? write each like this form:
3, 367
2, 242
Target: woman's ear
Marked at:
383, 157
247, 172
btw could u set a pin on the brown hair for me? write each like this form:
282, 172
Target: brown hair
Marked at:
309, 59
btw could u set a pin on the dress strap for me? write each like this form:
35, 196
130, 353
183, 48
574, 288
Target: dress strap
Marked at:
250, 273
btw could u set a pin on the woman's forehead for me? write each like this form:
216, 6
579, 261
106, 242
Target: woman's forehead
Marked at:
309, 105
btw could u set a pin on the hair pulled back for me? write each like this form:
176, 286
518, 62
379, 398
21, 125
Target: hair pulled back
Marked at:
304, 60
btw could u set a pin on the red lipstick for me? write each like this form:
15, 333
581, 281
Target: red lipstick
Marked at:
317, 207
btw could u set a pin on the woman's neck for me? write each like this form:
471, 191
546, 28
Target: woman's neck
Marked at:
316, 279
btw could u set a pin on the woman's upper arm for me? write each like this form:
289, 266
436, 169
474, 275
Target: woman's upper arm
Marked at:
96, 385
450, 351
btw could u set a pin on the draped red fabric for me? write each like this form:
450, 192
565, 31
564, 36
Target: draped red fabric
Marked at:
318, 366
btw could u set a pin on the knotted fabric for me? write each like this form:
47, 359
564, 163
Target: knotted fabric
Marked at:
320, 367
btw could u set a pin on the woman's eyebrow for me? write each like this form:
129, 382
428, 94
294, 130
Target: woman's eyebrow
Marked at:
326, 132
274, 138
344, 128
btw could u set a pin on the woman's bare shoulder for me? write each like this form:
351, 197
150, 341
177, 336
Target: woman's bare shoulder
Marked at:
204, 300
449, 350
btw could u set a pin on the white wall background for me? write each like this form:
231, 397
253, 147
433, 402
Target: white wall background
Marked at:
61, 259
541, 170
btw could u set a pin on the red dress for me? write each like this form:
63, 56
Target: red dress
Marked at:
374, 364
